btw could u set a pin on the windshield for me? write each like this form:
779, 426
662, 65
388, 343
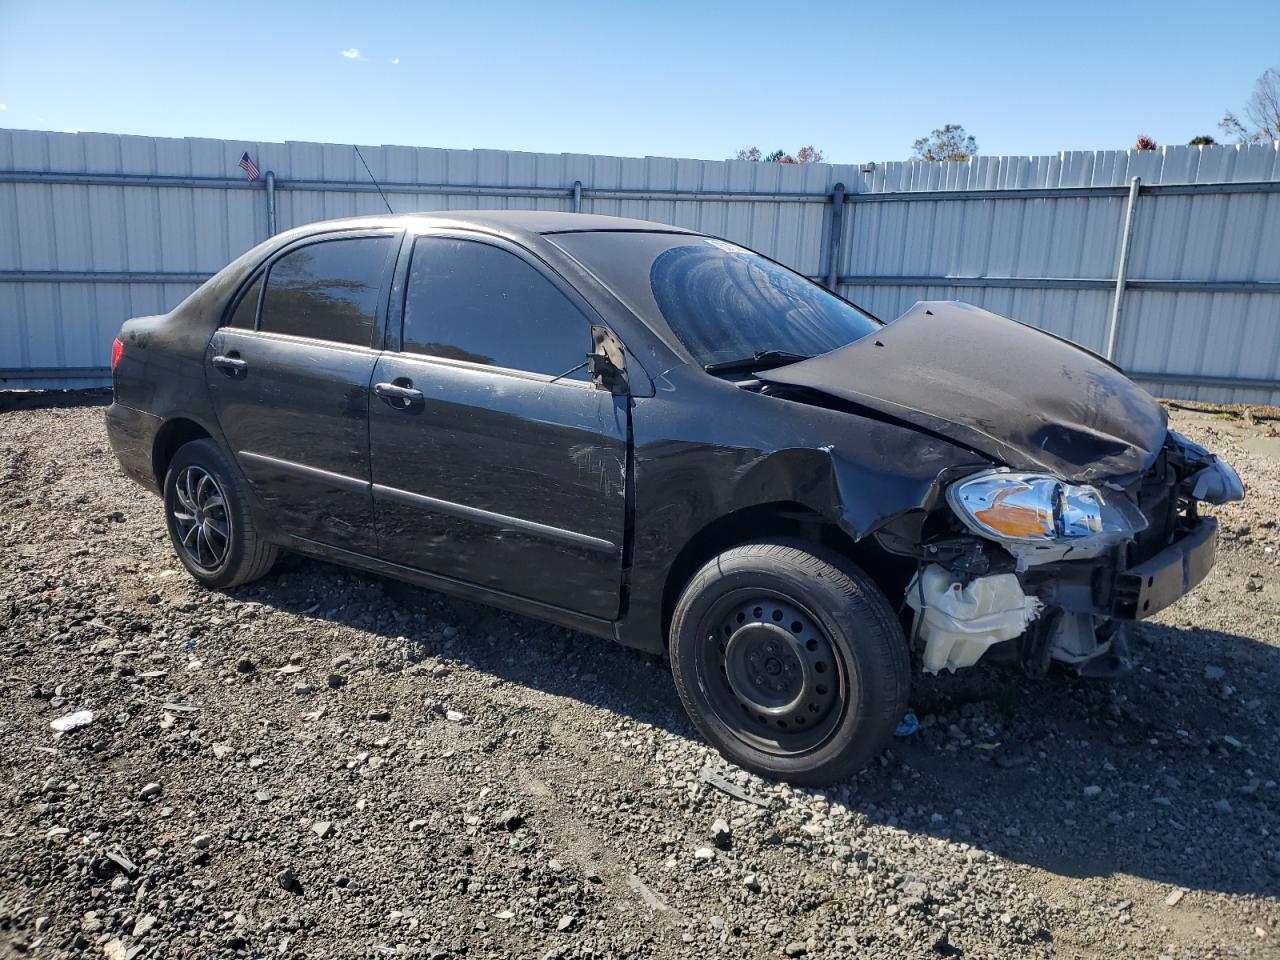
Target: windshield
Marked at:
721, 301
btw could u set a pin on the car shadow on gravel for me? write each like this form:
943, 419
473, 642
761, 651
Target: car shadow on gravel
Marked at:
1168, 774
510, 647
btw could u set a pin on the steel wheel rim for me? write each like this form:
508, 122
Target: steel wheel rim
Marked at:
202, 525
772, 672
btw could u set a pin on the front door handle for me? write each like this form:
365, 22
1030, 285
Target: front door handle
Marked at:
230, 363
402, 390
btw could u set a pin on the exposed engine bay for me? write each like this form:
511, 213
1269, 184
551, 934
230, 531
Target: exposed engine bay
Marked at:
1033, 569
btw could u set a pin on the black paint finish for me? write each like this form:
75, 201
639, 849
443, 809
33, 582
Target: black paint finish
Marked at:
297, 420
1015, 393
507, 481
562, 500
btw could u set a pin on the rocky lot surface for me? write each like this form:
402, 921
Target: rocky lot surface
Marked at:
329, 764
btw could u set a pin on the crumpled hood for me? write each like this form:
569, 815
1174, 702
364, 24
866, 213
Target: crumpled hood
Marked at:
1009, 391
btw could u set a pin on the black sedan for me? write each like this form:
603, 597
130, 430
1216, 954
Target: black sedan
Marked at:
660, 437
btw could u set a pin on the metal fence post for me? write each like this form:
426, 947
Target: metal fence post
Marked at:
577, 196
271, 203
835, 250
1122, 269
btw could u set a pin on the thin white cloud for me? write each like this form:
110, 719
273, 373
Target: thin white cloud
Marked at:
395, 61
5, 106
351, 53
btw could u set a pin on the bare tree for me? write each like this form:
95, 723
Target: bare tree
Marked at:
1261, 113
951, 142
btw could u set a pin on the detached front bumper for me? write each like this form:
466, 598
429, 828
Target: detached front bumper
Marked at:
1156, 583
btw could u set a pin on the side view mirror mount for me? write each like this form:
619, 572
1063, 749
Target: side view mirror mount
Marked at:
607, 362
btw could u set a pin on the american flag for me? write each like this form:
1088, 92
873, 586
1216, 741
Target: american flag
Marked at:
249, 167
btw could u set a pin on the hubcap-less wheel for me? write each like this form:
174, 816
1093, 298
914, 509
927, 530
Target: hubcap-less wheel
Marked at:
772, 672
203, 525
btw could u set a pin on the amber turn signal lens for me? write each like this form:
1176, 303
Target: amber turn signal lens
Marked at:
1016, 520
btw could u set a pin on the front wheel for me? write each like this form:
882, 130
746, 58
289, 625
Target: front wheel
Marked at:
790, 661
209, 521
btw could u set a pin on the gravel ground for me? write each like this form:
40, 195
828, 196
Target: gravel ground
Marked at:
329, 764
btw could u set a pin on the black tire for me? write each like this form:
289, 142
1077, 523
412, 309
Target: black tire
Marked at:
751, 637
229, 549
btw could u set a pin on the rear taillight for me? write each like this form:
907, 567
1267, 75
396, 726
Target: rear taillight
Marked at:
117, 351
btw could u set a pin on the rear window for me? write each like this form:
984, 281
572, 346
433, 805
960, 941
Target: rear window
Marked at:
327, 290
720, 301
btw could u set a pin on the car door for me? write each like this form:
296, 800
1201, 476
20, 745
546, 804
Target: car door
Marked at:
495, 460
289, 373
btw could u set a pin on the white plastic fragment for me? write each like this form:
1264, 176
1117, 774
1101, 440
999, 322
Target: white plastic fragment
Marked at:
960, 623
72, 721
1217, 483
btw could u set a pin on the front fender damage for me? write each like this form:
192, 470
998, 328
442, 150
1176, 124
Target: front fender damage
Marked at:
869, 497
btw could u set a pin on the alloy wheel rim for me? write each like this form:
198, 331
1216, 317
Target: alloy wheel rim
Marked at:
202, 525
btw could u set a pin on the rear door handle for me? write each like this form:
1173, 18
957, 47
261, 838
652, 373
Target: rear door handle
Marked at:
231, 364
401, 390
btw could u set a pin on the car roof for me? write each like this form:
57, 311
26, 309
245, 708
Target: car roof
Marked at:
513, 223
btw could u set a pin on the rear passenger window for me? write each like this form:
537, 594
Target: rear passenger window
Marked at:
472, 301
246, 312
327, 290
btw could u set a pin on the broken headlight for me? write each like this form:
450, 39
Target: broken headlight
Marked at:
1215, 481
1041, 518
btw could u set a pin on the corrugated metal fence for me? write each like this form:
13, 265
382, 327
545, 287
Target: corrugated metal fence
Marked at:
95, 228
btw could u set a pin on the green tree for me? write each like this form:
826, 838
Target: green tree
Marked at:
951, 142
1204, 140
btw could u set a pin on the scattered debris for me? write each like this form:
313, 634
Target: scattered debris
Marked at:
907, 726
713, 779
651, 899
72, 721
121, 861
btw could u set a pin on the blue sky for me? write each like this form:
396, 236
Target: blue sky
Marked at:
692, 78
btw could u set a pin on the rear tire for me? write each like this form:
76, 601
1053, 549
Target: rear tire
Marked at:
790, 661
209, 521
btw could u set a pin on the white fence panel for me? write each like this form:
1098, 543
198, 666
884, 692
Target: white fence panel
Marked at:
95, 228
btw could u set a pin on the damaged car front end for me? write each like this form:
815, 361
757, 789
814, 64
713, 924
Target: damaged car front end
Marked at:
949, 487
1059, 568
1087, 518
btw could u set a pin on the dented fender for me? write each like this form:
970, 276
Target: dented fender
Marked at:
691, 472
